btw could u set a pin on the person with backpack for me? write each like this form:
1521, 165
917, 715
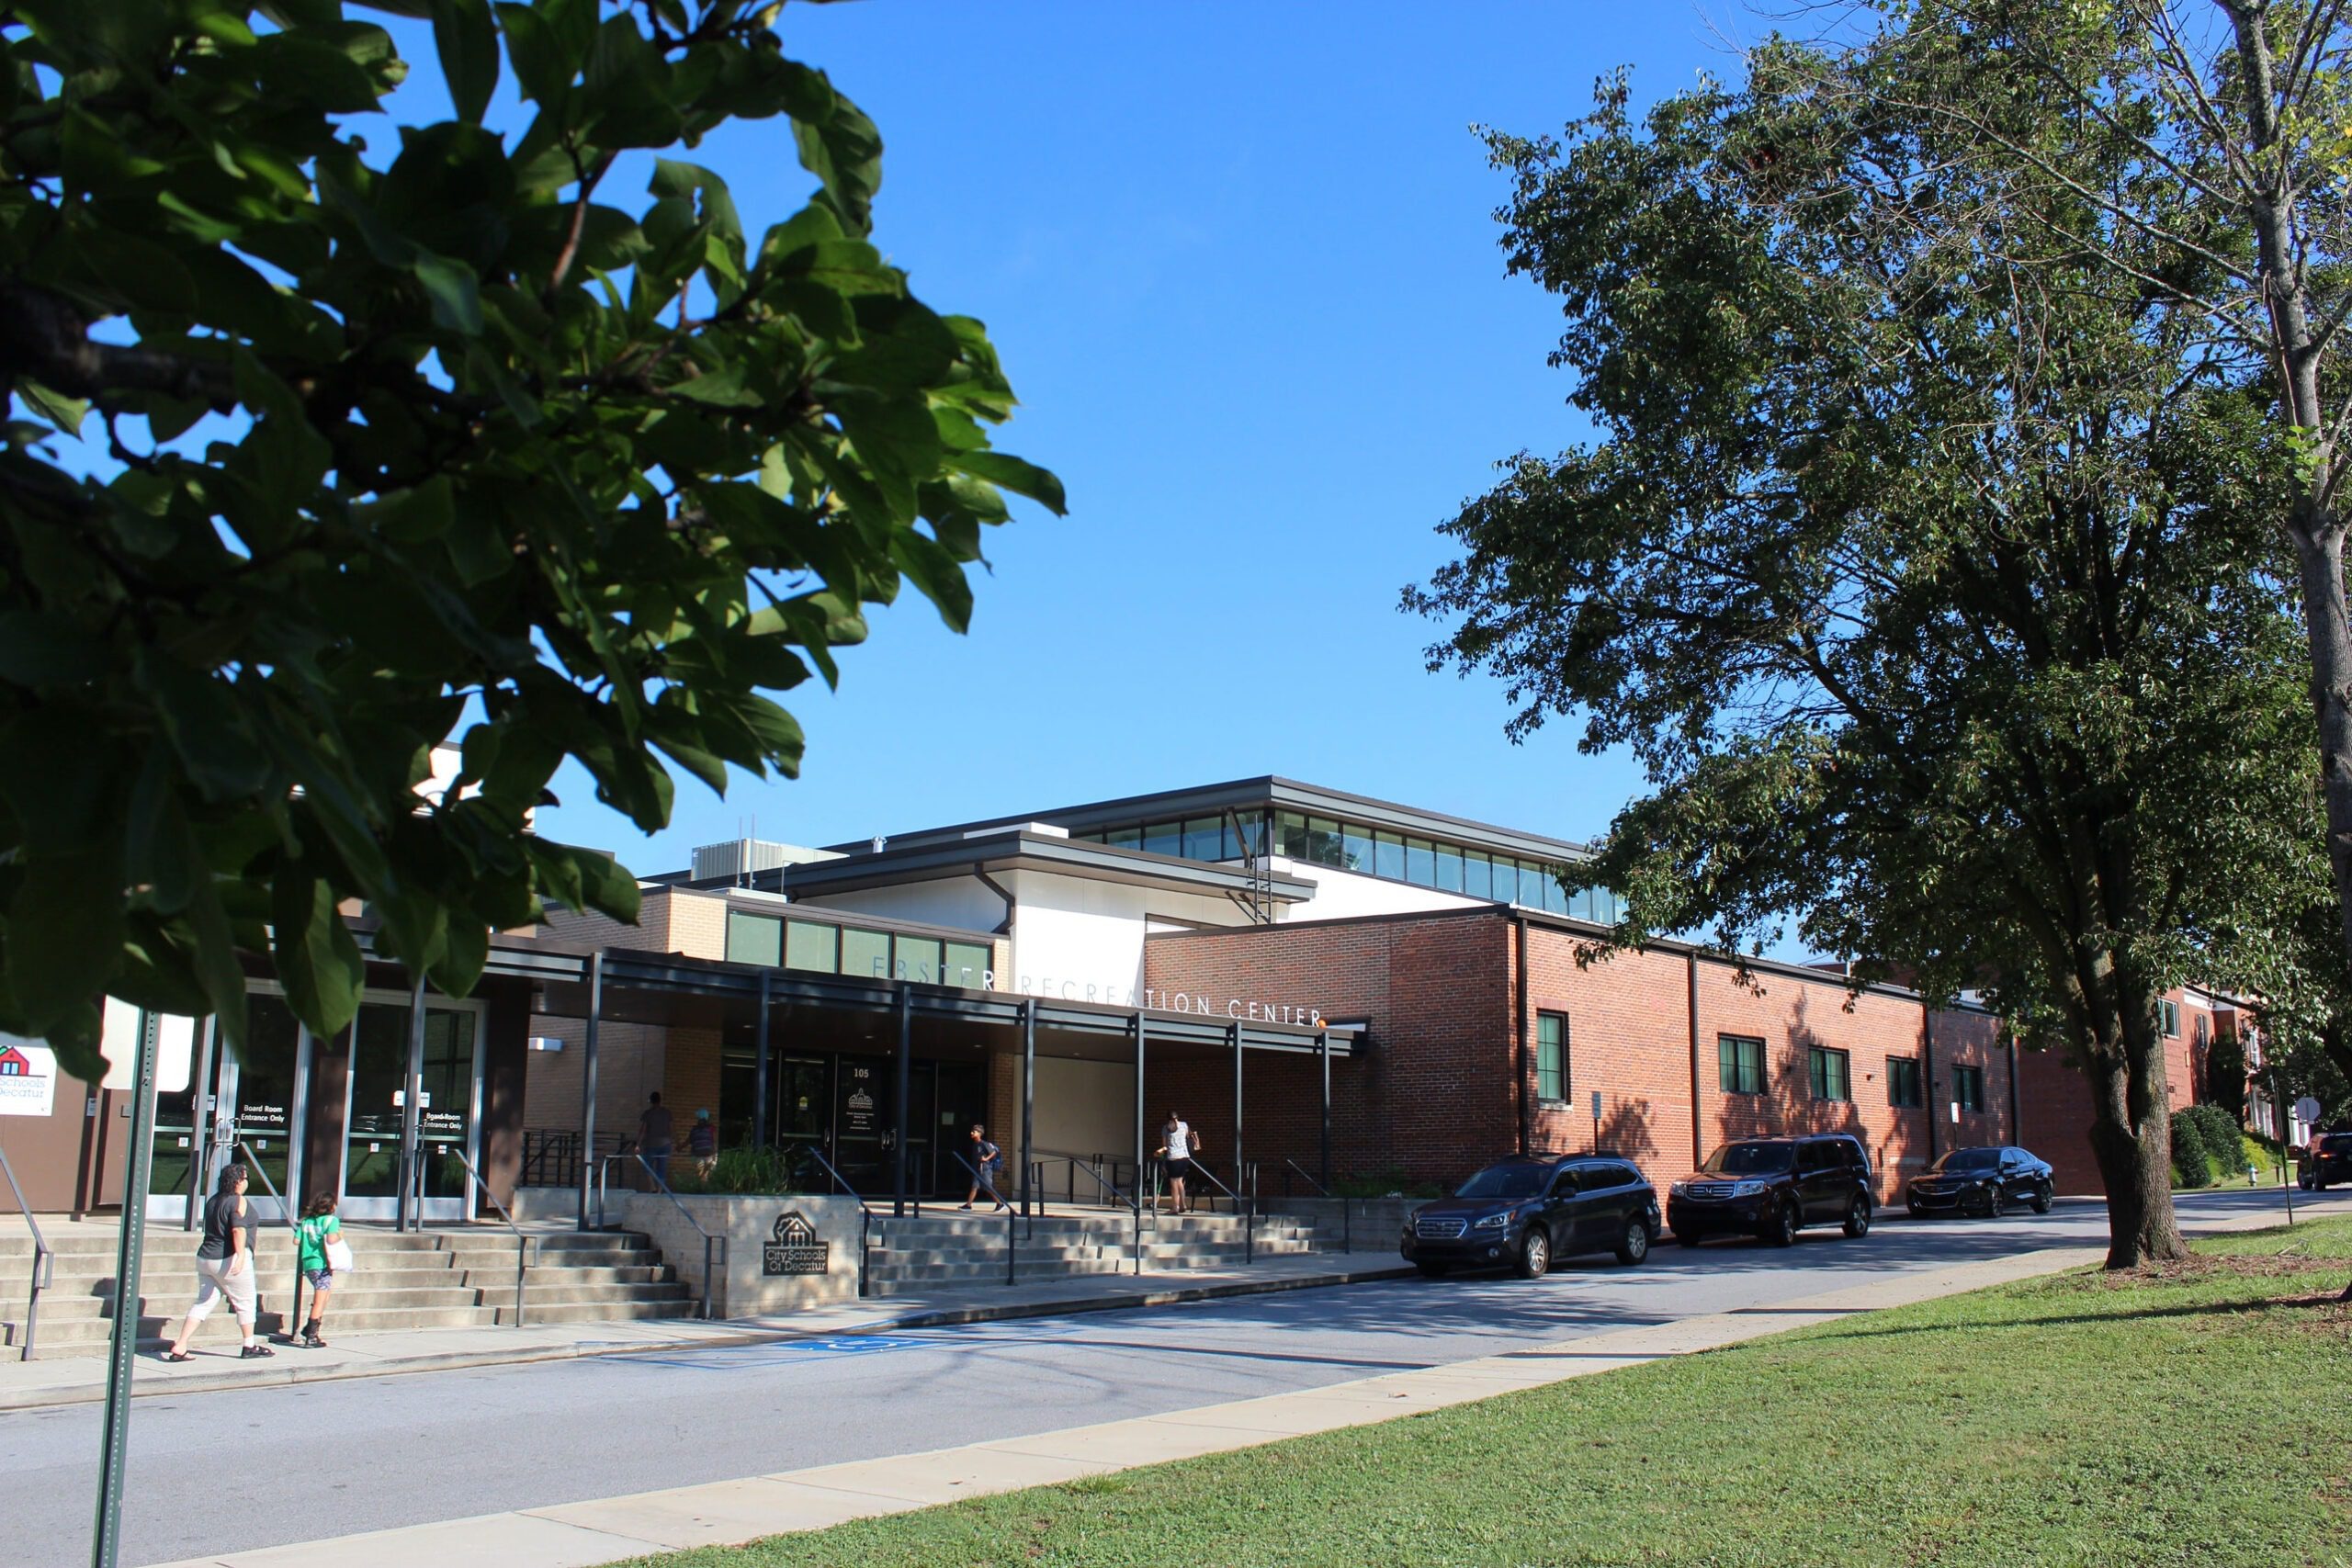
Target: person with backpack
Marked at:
987, 1168
224, 1266
321, 1253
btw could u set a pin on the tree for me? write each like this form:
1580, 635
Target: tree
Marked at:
1922, 560
408, 430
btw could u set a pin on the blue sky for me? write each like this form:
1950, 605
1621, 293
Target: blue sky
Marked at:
1241, 265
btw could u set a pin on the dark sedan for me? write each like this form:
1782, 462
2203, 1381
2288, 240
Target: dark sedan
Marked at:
1525, 1212
1980, 1182
2327, 1160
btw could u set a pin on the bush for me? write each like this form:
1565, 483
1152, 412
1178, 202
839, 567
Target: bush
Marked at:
740, 1170
2191, 1165
2223, 1139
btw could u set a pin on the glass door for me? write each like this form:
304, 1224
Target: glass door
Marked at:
371, 1155
256, 1101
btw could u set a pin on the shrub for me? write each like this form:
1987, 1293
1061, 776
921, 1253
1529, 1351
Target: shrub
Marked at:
2223, 1139
741, 1169
2191, 1165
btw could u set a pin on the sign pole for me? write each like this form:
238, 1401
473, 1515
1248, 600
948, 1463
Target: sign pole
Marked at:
2286, 1126
122, 1345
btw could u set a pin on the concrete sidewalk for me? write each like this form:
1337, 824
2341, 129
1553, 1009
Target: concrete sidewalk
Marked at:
578, 1535
78, 1380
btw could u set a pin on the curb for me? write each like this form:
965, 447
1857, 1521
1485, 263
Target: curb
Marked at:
459, 1360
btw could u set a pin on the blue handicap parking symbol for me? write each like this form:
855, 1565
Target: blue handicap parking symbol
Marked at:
857, 1344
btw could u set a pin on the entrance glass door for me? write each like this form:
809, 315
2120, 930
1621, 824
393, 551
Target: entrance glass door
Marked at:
371, 1155
256, 1101
863, 1125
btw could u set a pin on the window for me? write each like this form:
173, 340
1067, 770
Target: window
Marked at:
1741, 1064
1323, 843
1421, 863
1203, 838
1290, 835
1477, 874
1565, 1184
754, 938
1556, 896
1550, 1057
967, 965
1449, 868
1968, 1087
1388, 856
2170, 1013
1124, 838
1506, 880
865, 955
915, 958
807, 945
1164, 839
1355, 853
1832, 1074
1819, 1156
1903, 1082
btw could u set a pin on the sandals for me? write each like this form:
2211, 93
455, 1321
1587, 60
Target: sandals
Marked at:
177, 1356
253, 1352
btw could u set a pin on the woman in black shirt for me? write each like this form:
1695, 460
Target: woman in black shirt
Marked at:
224, 1266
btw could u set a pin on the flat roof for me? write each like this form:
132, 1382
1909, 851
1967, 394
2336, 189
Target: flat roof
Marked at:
1269, 789
937, 857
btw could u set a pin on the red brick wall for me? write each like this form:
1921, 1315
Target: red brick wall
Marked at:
2057, 1096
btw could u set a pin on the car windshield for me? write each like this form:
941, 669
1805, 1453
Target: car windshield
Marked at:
1968, 1159
1504, 1182
1749, 1160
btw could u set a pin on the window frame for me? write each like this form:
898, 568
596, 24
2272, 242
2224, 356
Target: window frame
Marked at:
1558, 1070
1973, 1099
1819, 1061
1733, 1060
1901, 1070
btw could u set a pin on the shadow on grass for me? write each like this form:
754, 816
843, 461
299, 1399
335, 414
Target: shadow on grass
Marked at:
2073, 1320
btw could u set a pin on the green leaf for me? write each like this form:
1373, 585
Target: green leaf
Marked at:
467, 40
318, 959
456, 296
66, 414
64, 935
1013, 474
42, 647
205, 726
413, 515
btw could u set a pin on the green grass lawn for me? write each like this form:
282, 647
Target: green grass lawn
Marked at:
2200, 1415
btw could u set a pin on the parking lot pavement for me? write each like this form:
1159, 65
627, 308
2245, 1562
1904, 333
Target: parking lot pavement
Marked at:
543, 1437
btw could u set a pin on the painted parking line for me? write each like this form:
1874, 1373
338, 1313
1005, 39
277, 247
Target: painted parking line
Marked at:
734, 1357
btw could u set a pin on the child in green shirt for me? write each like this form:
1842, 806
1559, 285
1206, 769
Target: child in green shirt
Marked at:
313, 1233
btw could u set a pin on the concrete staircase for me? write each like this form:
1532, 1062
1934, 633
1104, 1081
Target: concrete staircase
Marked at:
934, 1249
455, 1277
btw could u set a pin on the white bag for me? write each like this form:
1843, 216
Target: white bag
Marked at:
339, 1256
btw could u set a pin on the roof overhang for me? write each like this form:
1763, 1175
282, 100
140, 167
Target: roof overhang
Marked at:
1017, 850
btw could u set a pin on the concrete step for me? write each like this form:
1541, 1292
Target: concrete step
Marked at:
535, 1311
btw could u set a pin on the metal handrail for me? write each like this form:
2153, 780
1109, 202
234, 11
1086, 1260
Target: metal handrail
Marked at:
865, 1215
44, 1260
1347, 1224
1133, 1203
524, 1246
1249, 1213
604, 1172
1091, 1164
286, 1216
1012, 1246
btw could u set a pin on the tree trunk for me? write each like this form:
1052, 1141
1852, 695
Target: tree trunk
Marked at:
2131, 1140
2319, 552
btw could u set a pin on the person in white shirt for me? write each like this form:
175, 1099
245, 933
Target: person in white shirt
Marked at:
1179, 1145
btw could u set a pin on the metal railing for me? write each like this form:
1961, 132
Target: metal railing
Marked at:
44, 1261
551, 1155
1347, 1223
1011, 1243
1133, 1203
526, 1246
604, 1171
864, 1214
1095, 1165
1242, 1206
286, 1216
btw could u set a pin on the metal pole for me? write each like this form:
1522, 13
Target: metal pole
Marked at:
1139, 1196
1028, 1097
906, 1092
114, 1455
588, 1084
200, 1127
407, 1217
1323, 1050
759, 1070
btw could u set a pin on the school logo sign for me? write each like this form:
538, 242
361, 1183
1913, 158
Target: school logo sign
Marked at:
793, 1248
27, 1077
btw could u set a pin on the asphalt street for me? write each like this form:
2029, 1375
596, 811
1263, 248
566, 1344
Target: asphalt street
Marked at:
247, 1469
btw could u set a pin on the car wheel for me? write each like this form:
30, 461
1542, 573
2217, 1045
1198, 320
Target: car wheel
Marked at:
1534, 1253
2041, 1197
1431, 1270
1858, 1216
1636, 1244
1687, 1238
1780, 1230
1988, 1206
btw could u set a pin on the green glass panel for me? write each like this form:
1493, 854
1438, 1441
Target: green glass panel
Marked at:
864, 954
755, 939
1421, 863
1448, 868
968, 966
915, 958
807, 945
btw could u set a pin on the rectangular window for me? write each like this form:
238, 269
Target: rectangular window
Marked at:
1448, 868
1832, 1074
1421, 863
807, 945
1124, 838
1903, 1082
1506, 880
1203, 835
865, 955
1324, 846
2171, 1011
1290, 836
754, 938
1356, 841
1164, 839
1388, 856
967, 965
1550, 1057
1968, 1087
1740, 1063
1555, 898
915, 958
1477, 874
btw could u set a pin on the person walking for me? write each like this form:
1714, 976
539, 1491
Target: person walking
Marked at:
318, 1239
654, 1135
702, 1142
1178, 1145
224, 1267
987, 1168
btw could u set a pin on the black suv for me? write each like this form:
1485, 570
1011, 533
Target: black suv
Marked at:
1980, 1182
1773, 1186
1524, 1212
2329, 1158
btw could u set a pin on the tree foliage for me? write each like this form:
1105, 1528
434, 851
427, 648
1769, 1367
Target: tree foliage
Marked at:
412, 426
1925, 558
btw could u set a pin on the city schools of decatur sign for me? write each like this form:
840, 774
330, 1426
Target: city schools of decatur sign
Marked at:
793, 1248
